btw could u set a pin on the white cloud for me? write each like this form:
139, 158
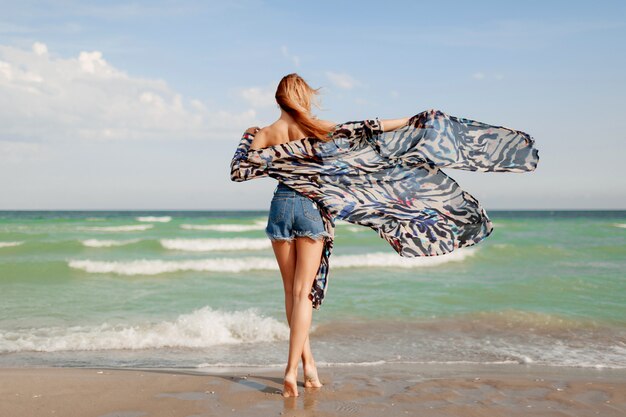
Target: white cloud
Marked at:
293, 58
394, 93
92, 61
478, 75
342, 80
40, 48
44, 98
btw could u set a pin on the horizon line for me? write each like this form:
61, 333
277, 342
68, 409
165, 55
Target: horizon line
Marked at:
265, 210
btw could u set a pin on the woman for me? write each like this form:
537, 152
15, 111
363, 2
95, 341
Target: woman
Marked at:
295, 225
382, 174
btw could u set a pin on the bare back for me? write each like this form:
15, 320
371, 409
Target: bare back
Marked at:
281, 131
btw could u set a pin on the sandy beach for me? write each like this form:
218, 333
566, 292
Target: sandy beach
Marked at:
388, 389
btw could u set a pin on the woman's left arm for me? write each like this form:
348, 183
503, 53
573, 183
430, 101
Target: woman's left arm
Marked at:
387, 125
242, 168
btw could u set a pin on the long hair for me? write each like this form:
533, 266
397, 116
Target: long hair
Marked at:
294, 96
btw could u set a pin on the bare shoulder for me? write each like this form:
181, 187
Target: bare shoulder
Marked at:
260, 138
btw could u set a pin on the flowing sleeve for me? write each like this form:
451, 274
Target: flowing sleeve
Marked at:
460, 143
394, 183
359, 130
243, 167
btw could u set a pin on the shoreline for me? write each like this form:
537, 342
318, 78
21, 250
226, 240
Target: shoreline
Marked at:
381, 389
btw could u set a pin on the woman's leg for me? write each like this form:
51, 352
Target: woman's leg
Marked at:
307, 263
285, 252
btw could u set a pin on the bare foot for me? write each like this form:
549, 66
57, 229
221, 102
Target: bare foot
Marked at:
310, 377
290, 386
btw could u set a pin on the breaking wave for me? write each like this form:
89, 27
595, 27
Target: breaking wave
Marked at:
101, 243
157, 266
225, 227
129, 228
201, 328
157, 219
10, 244
208, 245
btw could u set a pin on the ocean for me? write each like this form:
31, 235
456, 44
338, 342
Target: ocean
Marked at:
190, 289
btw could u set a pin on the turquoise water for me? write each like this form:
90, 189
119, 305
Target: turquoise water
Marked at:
194, 289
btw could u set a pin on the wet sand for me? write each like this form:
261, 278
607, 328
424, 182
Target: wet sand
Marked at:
382, 390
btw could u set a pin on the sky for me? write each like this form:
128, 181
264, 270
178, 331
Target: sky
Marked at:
140, 105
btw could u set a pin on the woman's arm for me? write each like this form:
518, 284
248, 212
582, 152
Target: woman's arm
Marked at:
369, 127
242, 169
392, 124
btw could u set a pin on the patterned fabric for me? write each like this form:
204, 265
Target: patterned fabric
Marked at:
392, 181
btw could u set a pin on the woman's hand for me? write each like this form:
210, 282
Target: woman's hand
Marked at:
253, 129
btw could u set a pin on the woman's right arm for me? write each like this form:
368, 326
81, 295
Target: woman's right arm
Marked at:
387, 125
242, 168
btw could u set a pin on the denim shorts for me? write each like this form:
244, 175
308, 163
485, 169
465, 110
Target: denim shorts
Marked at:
293, 215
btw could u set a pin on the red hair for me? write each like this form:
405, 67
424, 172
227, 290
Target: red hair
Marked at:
294, 96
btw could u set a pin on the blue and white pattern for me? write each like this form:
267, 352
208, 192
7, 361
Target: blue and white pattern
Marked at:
392, 181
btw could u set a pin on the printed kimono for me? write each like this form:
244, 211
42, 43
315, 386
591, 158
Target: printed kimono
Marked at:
392, 181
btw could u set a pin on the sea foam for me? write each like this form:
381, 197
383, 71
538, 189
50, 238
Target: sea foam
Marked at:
248, 263
101, 243
9, 244
393, 260
157, 266
201, 328
207, 245
225, 227
158, 219
129, 228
